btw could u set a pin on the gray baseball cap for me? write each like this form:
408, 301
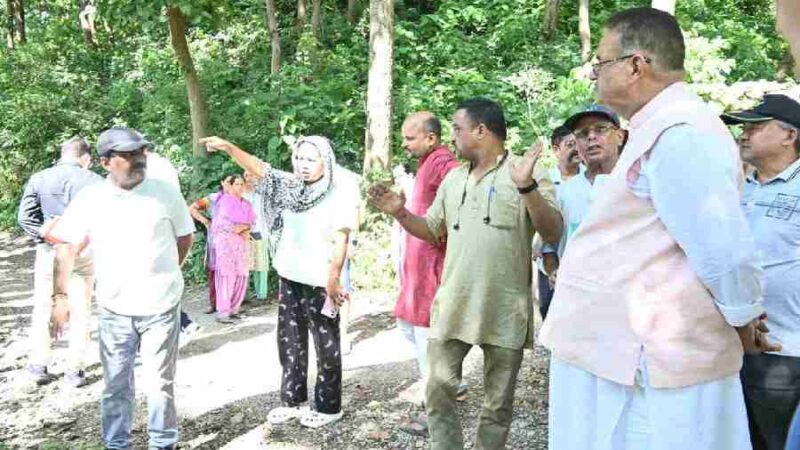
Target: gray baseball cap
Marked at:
120, 139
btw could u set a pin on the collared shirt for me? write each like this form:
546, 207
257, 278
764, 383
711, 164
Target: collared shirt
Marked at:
133, 234
422, 262
485, 295
705, 217
48, 193
773, 211
574, 200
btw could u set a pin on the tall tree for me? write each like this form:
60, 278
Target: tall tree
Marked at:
353, 10
86, 16
302, 14
550, 19
379, 88
584, 30
10, 42
664, 5
272, 26
197, 104
19, 21
788, 24
316, 18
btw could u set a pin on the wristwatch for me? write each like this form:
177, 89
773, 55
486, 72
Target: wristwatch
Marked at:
528, 189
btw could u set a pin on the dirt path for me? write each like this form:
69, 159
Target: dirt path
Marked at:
229, 378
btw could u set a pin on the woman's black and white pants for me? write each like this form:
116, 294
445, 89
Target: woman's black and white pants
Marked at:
298, 314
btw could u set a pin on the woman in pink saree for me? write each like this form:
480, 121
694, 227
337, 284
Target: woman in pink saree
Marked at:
233, 218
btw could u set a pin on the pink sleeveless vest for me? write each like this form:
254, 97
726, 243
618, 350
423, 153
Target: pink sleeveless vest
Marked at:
626, 287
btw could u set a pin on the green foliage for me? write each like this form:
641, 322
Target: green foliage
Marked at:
445, 51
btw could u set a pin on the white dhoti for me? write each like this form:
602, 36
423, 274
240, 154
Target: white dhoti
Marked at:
592, 413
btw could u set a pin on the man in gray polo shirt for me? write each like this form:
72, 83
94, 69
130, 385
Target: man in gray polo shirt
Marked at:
140, 231
46, 195
770, 142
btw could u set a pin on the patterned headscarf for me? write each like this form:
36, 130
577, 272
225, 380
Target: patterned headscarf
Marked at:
286, 191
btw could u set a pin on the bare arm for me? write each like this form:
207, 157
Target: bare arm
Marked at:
545, 218
184, 244
63, 265
245, 160
333, 288
198, 215
393, 204
416, 226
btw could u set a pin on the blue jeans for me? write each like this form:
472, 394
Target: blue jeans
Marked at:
119, 338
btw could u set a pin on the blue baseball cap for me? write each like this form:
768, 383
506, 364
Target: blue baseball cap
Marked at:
593, 110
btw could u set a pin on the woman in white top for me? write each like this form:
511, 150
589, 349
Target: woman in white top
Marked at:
309, 214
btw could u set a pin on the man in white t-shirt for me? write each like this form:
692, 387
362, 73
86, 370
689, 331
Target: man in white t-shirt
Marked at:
140, 231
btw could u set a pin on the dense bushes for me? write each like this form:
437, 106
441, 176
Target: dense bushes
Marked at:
54, 86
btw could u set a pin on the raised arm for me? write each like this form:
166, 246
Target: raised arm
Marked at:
393, 204
544, 216
245, 160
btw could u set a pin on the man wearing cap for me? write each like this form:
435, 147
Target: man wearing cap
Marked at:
140, 231
46, 195
770, 142
599, 138
659, 290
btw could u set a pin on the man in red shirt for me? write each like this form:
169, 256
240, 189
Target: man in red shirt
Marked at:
421, 264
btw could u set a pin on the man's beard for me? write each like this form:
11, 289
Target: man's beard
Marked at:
129, 180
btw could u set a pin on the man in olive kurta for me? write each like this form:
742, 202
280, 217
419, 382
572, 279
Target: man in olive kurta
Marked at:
488, 211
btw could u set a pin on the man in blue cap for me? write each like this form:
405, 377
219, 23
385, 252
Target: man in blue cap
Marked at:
770, 142
599, 140
140, 231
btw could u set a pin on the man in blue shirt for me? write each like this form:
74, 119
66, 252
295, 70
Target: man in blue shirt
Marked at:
46, 195
770, 143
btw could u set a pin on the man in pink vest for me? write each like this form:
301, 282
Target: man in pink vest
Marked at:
421, 265
659, 289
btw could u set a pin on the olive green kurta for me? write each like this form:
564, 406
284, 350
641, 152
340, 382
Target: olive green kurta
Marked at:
485, 295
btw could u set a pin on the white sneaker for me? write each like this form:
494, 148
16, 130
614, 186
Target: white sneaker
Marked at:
283, 414
315, 419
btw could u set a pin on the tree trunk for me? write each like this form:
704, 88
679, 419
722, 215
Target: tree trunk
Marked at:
353, 11
86, 16
787, 12
10, 24
272, 26
664, 5
584, 30
301, 14
19, 21
197, 104
316, 18
378, 140
550, 19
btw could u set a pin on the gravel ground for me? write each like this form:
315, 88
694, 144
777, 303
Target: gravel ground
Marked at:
228, 379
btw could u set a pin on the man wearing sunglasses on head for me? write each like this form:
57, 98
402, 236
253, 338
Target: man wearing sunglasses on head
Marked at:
489, 210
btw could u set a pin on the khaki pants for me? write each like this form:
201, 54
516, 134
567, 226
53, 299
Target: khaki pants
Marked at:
501, 366
79, 296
